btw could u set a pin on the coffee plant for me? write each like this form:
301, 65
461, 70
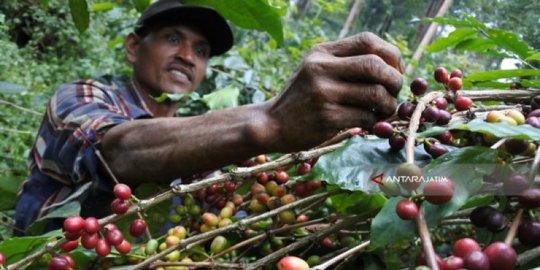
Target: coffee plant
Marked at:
449, 182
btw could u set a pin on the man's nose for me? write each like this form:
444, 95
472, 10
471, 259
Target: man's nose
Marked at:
186, 54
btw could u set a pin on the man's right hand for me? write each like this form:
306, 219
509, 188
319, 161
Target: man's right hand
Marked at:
348, 83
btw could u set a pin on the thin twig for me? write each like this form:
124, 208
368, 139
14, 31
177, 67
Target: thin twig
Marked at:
18, 107
513, 228
2, 129
342, 256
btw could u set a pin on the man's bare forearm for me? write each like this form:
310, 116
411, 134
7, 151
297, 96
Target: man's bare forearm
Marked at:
164, 149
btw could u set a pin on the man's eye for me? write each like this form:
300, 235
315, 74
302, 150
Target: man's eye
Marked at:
201, 51
173, 38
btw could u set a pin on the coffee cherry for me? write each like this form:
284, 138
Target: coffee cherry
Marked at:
70, 245
515, 185
407, 209
122, 191
452, 263
479, 215
119, 206
292, 263
103, 248
91, 225
419, 86
464, 246
313, 185
70, 261
114, 237
74, 224
456, 73
58, 263
304, 168
287, 199
441, 75
412, 175
327, 243
533, 121
515, 146
529, 233
445, 137
462, 103
229, 186
70, 236
383, 130
530, 198
437, 150
477, 260
397, 142
444, 118
430, 114
496, 221
2, 258
501, 256
516, 115
421, 259
137, 227
302, 218
405, 110
494, 116
210, 219
439, 192
455, 83
441, 103
218, 244
287, 217
124, 247
282, 177
89, 240
260, 159
212, 189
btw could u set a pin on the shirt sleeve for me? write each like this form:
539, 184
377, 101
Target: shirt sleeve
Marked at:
79, 114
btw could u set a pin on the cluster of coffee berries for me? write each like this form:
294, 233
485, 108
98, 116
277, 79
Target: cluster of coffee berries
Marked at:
436, 192
120, 204
467, 253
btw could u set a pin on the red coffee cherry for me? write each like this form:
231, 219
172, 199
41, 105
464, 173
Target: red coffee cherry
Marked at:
74, 224
103, 248
455, 84
441, 75
407, 209
463, 103
419, 86
122, 191
2, 258
456, 73
71, 236
464, 246
452, 263
477, 260
91, 225
501, 256
441, 103
114, 237
70, 260
58, 263
304, 168
383, 130
119, 206
89, 240
439, 192
124, 247
70, 245
229, 186
282, 177
137, 227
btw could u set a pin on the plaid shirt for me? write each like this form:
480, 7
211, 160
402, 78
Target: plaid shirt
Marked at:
63, 164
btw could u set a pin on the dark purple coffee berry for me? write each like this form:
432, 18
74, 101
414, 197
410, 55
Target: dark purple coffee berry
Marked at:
533, 121
445, 137
405, 110
437, 150
496, 221
444, 118
515, 185
441, 103
534, 113
529, 233
383, 130
530, 198
501, 256
479, 215
419, 86
397, 142
477, 260
430, 114
516, 146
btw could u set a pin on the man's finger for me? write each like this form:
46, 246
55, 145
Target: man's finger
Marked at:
365, 43
347, 116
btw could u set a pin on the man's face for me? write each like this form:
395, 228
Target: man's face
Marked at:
172, 59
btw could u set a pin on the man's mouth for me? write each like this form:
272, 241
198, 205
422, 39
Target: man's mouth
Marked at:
180, 76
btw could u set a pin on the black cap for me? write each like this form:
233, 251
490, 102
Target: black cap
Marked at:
214, 27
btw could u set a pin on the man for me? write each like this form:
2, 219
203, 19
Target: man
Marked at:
343, 84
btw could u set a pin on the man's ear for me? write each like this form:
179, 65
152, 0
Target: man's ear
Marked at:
131, 43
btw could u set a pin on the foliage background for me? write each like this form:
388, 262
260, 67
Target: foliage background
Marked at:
41, 48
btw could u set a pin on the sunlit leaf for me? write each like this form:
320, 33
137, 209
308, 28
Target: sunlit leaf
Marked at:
500, 74
79, 14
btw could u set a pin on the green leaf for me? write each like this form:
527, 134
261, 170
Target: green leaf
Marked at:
478, 200
79, 14
510, 42
475, 44
453, 38
69, 209
530, 83
499, 129
352, 166
17, 248
45, 4
357, 202
469, 22
223, 98
141, 5
102, 7
251, 14
500, 74
11, 88
465, 166
535, 56
8, 191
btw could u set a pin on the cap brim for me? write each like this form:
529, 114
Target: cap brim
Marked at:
208, 21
